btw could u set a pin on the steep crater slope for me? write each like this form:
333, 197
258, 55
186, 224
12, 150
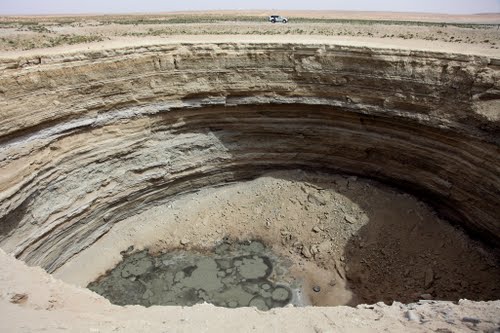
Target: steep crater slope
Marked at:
90, 139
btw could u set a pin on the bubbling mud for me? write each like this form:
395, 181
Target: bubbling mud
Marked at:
232, 275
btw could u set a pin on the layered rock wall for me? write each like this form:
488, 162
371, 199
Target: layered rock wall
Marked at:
88, 139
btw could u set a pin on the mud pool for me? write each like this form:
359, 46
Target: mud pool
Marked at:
232, 275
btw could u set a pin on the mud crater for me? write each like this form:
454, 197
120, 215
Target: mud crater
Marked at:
231, 275
170, 145
327, 239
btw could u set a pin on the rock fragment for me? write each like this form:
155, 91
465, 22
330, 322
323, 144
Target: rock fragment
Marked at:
426, 296
316, 199
324, 247
305, 252
19, 298
471, 320
428, 277
411, 315
349, 218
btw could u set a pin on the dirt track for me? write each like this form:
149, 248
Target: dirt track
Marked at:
470, 34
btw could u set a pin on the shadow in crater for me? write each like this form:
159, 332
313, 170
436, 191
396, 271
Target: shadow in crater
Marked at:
11, 221
401, 250
398, 255
407, 257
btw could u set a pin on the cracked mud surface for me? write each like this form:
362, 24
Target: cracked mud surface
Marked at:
233, 275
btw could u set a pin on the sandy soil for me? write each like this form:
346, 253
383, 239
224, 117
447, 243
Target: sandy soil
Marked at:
327, 14
45, 35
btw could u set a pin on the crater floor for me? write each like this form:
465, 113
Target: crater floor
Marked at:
358, 240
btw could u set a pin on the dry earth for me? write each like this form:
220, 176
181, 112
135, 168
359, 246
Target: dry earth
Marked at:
477, 31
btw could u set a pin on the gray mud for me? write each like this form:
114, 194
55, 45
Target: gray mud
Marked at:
232, 275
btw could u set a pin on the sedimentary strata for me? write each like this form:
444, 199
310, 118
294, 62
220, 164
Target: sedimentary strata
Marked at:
88, 139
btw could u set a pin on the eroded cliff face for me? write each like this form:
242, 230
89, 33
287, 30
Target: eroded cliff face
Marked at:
89, 139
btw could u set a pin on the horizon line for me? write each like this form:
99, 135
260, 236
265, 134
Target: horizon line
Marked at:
241, 10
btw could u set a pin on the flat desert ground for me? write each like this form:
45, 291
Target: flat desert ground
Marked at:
473, 34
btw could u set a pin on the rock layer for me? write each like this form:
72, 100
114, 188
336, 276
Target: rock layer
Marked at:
88, 139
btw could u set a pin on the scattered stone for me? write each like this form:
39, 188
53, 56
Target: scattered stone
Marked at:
471, 320
316, 229
316, 289
19, 298
428, 301
443, 330
426, 296
184, 241
128, 250
411, 315
324, 247
338, 269
349, 218
284, 233
429, 277
306, 253
312, 198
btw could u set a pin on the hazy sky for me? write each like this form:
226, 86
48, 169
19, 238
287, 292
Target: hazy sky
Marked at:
126, 6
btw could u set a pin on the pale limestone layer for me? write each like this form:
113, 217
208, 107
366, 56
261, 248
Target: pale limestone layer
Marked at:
89, 139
